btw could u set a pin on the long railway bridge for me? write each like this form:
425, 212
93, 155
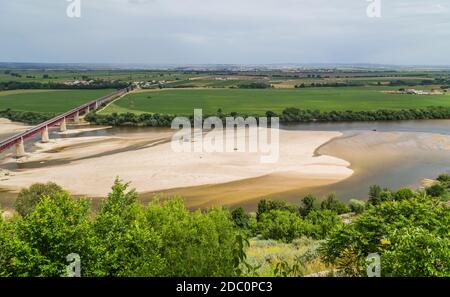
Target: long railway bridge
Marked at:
18, 139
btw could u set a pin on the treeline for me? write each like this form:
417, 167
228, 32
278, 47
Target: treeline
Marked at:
410, 230
98, 84
331, 85
254, 85
28, 117
289, 115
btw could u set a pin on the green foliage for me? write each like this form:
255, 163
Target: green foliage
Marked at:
334, 204
444, 178
240, 218
374, 232
268, 205
378, 195
415, 252
57, 227
122, 239
323, 222
282, 225
28, 198
356, 206
307, 205
403, 194
436, 190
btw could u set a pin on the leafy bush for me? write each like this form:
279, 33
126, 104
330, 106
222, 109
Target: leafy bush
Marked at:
282, 225
416, 252
28, 198
403, 194
240, 217
268, 205
323, 222
333, 204
375, 232
123, 239
307, 205
356, 206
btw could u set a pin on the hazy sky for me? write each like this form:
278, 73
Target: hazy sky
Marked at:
226, 31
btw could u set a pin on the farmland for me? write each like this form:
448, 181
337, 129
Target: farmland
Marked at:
47, 101
256, 102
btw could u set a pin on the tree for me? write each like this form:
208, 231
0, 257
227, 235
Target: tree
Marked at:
268, 205
323, 221
57, 227
375, 231
436, 190
281, 225
403, 194
307, 205
29, 198
333, 204
444, 178
240, 217
357, 206
415, 252
126, 246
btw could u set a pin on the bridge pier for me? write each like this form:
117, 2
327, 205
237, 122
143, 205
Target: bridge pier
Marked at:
20, 149
76, 118
88, 109
63, 126
45, 137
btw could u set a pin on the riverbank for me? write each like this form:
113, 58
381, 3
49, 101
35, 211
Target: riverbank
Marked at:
88, 165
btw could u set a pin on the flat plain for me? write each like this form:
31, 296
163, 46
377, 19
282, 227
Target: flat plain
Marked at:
257, 102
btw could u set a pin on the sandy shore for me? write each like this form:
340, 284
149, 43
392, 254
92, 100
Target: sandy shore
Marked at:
89, 165
8, 128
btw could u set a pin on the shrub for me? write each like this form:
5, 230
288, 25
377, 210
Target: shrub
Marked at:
282, 225
444, 178
375, 232
436, 190
403, 194
333, 204
323, 222
357, 206
307, 205
30, 197
268, 205
240, 217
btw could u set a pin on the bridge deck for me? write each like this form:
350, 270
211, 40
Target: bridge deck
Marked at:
9, 142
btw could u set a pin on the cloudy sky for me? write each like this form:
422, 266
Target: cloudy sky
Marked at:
226, 31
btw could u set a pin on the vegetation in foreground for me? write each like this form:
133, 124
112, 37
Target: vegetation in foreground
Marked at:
409, 230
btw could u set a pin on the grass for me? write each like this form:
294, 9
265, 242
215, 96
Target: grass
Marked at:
51, 101
257, 102
266, 254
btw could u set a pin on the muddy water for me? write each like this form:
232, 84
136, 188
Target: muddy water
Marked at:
392, 154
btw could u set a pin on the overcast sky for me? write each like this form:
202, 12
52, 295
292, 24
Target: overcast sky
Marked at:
226, 31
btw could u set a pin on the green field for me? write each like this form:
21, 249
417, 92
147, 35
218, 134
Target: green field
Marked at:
255, 102
52, 101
